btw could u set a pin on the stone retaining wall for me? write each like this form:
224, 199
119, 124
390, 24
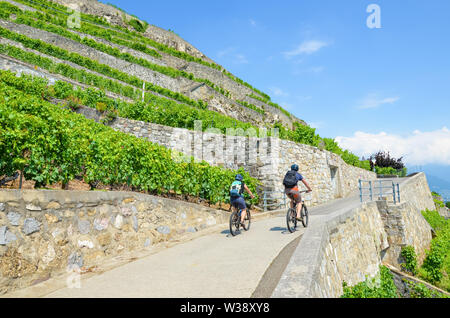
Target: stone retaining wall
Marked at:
350, 244
405, 226
417, 191
267, 159
42, 233
327, 174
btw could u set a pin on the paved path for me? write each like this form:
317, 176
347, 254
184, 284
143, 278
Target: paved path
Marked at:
212, 266
216, 265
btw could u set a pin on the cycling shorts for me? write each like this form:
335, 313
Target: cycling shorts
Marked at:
238, 203
293, 194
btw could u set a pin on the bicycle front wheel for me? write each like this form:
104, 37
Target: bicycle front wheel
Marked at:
247, 221
305, 216
291, 220
234, 223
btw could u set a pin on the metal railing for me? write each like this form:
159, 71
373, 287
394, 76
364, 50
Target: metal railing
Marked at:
377, 188
274, 199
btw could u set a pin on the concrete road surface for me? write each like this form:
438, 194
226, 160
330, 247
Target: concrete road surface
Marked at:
213, 266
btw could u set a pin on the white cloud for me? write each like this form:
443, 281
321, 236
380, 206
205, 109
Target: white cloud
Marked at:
278, 92
287, 106
226, 51
317, 69
311, 70
419, 148
318, 124
374, 101
240, 59
232, 54
304, 98
306, 47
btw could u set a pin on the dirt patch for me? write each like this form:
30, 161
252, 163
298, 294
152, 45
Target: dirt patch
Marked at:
15, 184
13, 265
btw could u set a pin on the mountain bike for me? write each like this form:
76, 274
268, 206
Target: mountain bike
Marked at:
235, 221
291, 216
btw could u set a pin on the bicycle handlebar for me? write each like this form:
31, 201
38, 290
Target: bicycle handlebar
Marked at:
299, 192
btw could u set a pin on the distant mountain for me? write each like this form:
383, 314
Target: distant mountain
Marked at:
440, 186
438, 177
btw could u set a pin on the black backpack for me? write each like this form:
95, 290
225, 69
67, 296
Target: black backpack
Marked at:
290, 179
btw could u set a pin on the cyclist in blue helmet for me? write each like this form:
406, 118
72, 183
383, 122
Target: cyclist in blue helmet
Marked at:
237, 198
290, 183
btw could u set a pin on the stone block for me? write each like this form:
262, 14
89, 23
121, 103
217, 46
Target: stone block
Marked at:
6, 236
104, 239
52, 218
53, 206
84, 226
13, 218
75, 260
163, 230
118, 221
32, 207
101, 224
30, 226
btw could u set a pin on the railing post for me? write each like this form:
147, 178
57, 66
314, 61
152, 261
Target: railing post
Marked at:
371, 190
284, 199
265, 201
381, 191
360, 190
398, 192
393, 192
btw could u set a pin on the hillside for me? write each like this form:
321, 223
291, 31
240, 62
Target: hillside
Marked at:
124, 67
168, 64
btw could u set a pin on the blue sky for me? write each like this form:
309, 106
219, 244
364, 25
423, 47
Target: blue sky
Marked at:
370, 88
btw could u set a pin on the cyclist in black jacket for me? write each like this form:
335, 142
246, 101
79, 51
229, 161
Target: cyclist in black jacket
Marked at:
291, 188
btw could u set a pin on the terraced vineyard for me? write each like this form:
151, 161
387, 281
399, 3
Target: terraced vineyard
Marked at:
123, 67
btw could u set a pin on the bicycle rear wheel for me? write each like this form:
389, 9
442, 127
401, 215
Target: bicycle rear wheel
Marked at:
305, 216
291, 220
234, 223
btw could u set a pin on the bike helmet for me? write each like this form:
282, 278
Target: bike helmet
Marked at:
294, 167
239, 178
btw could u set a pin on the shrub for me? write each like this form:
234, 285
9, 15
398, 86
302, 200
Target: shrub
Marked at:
137, 25
101, 107
62, 89
73, 102
419, 290
436, 266
384, 160
390, 171
436, 221
409, 255
380, 287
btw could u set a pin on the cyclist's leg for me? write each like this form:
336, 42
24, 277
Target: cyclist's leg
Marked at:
243, 207
298, 199
243, 215
299, 209
291, 199
234, 205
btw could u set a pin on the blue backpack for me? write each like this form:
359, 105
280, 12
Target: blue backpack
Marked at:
236, 189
